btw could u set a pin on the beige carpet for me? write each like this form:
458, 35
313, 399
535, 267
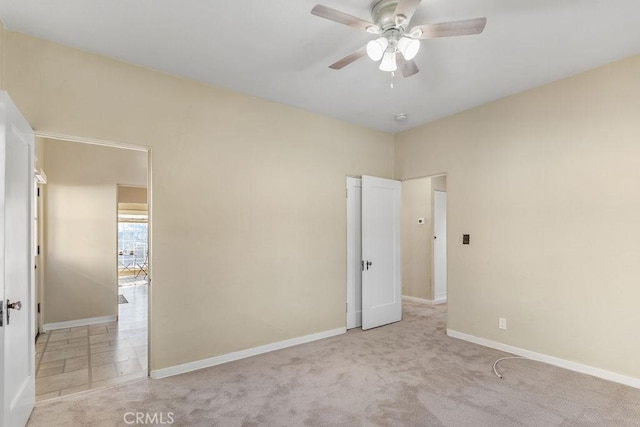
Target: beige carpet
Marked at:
406, 374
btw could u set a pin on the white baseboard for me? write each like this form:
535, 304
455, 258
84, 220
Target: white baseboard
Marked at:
242, 354
440, 299
79, 322
551, 360
425, 301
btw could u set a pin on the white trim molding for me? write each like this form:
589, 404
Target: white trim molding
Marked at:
242, 354
425, 301
440, 299
92, 141
551, 360
79, 322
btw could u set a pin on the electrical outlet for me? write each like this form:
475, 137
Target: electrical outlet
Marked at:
502, 323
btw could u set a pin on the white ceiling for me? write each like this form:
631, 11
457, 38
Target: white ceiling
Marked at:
277, 50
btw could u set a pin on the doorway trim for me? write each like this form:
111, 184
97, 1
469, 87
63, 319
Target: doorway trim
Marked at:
354, 252
134, 147
439, 273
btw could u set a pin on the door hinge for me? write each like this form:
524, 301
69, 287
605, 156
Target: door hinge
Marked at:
38, 191
347, 193
38, 307
38, 249
347, 307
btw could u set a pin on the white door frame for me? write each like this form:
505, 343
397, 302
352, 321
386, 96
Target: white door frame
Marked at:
135, 147
440, 247
39, 256
354, 252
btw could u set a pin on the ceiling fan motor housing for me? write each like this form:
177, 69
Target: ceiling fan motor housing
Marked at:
392, 35
393, 28
384, 14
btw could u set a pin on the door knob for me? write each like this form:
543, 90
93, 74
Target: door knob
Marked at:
369, 264
12, 305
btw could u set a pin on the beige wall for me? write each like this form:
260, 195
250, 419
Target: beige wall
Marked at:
248, 195
128, 194
438, 183
416, 246
547, 183
2, 37
81, 226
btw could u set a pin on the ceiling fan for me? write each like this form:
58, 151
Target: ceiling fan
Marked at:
398, 44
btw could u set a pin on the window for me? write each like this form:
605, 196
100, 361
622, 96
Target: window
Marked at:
133, 238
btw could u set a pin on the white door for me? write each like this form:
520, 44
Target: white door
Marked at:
354, 253
381, 276
440, 247
17, 356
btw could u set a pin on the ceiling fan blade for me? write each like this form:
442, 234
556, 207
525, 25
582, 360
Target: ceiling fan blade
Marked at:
448, 29
407, 8
407, 68
344, 18
349, 59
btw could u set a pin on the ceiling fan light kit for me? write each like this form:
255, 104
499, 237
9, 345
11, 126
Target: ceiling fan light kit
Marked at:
398, 44
376, 48
408, 47
389, 61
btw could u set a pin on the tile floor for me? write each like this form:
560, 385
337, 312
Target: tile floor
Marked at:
88, 357
132, 280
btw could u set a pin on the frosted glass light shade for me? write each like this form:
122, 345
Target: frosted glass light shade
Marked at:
389, 61
408, 47
376, 48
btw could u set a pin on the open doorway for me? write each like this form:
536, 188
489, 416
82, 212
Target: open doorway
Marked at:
90, 336
424, 240
133, 270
